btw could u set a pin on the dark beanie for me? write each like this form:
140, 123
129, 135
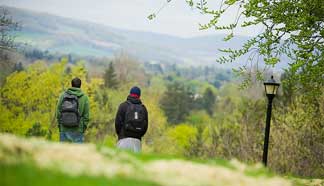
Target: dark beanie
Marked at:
135, 90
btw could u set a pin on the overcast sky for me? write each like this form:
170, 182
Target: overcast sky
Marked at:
177, 18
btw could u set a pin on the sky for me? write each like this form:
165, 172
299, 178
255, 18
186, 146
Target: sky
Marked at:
176, 18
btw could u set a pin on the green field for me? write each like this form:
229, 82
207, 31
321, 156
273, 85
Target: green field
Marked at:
29, 175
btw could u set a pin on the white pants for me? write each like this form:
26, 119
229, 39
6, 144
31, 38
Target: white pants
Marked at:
132, 144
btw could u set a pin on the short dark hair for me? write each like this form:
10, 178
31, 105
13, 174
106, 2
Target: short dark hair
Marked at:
76, 82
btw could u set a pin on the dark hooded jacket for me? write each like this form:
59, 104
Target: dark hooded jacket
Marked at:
83, 110
120, 119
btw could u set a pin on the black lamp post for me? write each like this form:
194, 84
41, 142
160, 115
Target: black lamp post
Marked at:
271, 88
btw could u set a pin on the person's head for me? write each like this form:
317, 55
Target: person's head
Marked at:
76, 82
135, 92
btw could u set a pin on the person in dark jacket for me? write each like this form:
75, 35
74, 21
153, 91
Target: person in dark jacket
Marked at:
131, 121
74, 134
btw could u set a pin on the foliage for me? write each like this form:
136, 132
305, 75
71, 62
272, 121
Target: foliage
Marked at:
224, 123
103, 109
7, 25
291, 28
303, 134
209, 101
30, 96
211, 74
110, 77
7, 43
197, 118
182, 136
157, 122
128, 70
177, 102
36, 130
34, 54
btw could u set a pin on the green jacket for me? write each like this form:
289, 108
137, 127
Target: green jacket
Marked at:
83, 110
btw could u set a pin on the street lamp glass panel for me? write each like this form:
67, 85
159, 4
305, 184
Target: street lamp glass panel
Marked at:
271, 87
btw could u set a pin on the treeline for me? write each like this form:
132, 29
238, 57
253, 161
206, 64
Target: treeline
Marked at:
211, 74
215, 76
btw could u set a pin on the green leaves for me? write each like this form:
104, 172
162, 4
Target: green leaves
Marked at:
292, 29
177, 102
29, 97
230, 2
151, 16
110, 78
271, 61
228, 37
190, 3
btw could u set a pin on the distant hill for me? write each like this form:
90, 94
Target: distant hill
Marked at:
34, 161
65, 35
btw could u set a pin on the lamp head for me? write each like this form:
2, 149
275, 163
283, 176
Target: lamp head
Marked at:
271, 87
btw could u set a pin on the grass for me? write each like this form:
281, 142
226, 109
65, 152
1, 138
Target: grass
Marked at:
34, 162
259, 172
29, 175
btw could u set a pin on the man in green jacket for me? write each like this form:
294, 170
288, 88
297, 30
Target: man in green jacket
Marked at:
72, 113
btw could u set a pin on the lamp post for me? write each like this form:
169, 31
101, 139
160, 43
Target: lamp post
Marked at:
271, 88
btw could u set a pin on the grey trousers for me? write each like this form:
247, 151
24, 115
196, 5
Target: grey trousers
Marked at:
131, 144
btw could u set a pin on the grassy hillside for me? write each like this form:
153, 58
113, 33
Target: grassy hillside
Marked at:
54, 33
37, 162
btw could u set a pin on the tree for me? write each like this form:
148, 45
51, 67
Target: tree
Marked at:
7, 44
110, 77
7, 26
36, 130
292, 28
128, 70
209, 101
176, 102
18, 67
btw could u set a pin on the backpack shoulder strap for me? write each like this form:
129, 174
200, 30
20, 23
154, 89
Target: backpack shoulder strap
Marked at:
129, 103
66, 94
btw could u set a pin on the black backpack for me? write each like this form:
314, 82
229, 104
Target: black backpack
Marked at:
135, 120
70, 116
